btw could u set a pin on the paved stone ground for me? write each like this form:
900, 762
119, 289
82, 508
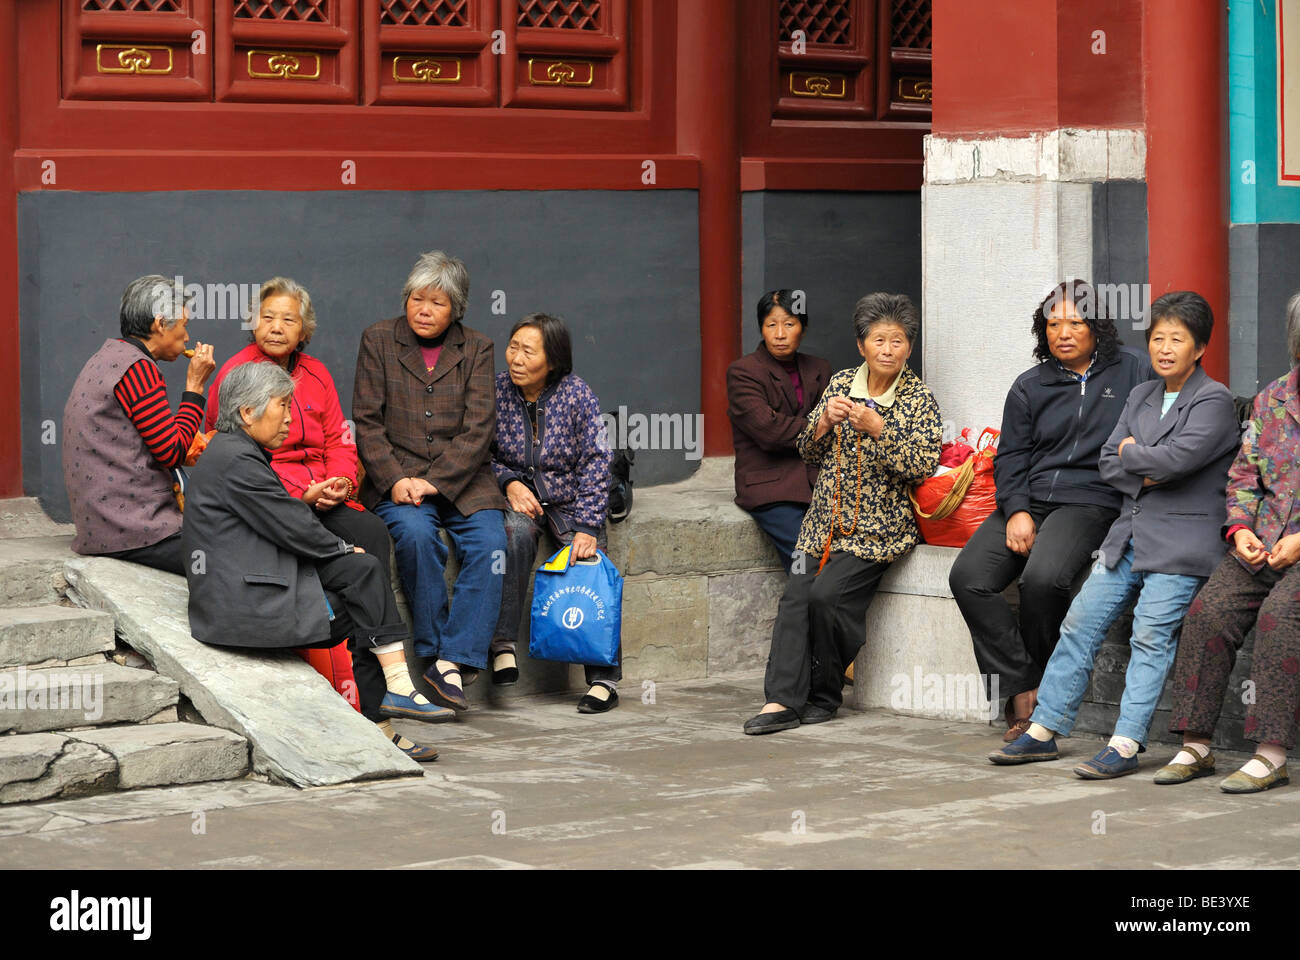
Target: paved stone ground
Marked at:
676, 784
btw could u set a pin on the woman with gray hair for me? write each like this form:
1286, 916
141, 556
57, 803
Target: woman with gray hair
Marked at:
121, 442
424, 406
266, 574
1256, 585
874, 433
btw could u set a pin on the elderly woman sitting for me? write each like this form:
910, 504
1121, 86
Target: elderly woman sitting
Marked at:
269, 574
874, 433
1256, 585
317, 461
552, 461
425, 416
121, 442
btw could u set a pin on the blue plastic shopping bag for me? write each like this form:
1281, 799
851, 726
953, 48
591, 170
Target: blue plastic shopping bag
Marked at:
577, 610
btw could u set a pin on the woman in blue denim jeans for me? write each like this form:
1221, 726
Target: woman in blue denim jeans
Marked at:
1169, 455
551, 459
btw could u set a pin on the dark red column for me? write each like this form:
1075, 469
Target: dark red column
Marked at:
1187, 187
11, 467
708, 126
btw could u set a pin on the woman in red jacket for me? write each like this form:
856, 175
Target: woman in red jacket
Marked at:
317, 463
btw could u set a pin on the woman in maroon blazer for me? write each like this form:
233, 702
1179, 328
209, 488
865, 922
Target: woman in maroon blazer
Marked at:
769, 394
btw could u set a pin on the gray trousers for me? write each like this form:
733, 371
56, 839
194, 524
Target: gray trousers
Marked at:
523, 534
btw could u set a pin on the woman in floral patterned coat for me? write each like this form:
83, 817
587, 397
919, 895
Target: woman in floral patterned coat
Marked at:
1257, 585
551, 459
874, 433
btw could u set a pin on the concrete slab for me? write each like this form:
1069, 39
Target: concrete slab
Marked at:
301, 731
171, 753
31, 570
99, 693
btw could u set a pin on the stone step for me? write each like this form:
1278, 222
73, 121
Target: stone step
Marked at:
31, 570
33, 635
23, 517
55, 698
300, 731
170, 753
41, 766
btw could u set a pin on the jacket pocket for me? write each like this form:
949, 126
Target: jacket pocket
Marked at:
267, 578
765, 476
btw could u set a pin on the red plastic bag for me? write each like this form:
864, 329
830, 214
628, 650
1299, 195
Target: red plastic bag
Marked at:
949, 508
335, 665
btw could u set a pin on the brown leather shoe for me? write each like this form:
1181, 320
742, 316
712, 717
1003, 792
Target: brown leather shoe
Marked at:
1019, 726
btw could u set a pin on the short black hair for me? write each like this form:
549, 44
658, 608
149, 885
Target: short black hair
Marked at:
555, 344
1083, 296
1188, 308
783, 299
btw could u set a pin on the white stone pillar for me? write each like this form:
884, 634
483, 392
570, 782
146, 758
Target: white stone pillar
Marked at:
1003, 220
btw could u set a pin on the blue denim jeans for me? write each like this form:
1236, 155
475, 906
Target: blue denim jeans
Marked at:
1162, 600
460, 631
781, 522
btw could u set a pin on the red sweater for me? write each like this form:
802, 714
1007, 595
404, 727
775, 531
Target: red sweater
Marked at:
320, 445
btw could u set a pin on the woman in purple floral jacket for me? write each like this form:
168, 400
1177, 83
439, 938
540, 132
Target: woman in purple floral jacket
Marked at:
552, 462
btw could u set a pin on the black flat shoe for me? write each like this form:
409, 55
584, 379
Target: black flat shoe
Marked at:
590, 704
772, 722
815, 714
505, 676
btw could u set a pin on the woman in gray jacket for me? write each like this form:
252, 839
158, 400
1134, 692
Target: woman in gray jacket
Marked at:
1169, 456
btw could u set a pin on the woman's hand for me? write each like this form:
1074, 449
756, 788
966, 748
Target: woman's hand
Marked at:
1122, 444
412, 490
522, 500
835, 412
584, 546
312, 495
334, 491
1248, 547
866, 420
1021, 531
1285, 552
200, 368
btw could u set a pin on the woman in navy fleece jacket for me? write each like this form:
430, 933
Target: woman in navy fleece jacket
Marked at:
551, 459
1053, 507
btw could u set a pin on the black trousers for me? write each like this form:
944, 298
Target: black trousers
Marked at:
820, 627
360, 592
164, 555
1016, 648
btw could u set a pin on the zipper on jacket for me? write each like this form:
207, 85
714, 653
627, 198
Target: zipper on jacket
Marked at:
1083, 390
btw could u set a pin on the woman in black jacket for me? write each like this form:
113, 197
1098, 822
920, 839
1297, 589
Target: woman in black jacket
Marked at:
1053, 507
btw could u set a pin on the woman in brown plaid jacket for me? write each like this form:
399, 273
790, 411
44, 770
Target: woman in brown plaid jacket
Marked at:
425, 417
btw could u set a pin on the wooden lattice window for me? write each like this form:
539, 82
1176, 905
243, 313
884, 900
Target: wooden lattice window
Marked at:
910, 28
136, 49
305, 11
560, 14
131, 6
827, 21
424, 13
435, 52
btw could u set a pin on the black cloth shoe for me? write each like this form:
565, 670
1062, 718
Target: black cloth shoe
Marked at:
590, 704
506, 675
785, 719
815, 714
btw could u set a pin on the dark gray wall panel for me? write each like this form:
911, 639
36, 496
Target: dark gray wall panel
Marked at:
836, 247
1243, 286
1279, 278
1119, 245
622, 267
